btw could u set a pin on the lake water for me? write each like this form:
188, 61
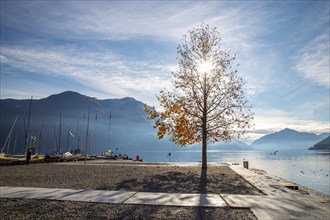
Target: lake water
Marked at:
307, 168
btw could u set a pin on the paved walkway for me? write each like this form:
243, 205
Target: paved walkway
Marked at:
123, 197
279, 202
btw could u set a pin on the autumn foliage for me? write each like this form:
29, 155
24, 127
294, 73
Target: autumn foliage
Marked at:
208, 102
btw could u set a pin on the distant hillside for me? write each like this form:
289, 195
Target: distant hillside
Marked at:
130, 130
286, 139
322, 145
324, 135
233, 145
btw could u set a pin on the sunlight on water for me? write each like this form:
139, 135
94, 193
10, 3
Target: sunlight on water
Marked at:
308, 168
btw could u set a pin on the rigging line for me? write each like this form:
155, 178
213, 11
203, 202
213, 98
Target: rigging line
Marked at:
12, 127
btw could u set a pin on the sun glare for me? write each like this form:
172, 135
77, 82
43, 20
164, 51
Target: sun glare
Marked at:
205, 67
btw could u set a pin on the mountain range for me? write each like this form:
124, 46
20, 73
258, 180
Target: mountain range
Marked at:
288, 139
61, 120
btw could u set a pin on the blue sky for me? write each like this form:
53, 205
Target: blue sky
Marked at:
128, 48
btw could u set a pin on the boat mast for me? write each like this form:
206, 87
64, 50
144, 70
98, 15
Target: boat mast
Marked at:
109, 130
54, 138
67, 141
78, 138
15, 143
28, 127
9, 135
95, 131
40, 137
87, 134
59, 135
8, 144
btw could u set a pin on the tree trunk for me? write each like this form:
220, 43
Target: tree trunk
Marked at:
204, 146
204, 131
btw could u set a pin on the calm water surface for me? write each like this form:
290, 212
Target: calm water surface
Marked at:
304, 167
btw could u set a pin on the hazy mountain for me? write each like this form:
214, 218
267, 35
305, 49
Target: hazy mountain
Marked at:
128, 128
322, 145
324, 135
233, 145
286, 139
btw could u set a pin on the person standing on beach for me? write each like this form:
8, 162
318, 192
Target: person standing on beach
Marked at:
28, 156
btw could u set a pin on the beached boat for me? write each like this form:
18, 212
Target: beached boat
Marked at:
37, 158
106, 155
8, 160
71, 157
19, 159
54, 157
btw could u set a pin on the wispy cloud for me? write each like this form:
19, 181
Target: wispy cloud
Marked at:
114, 75
106, 20
3, 59
131, 20
106, 70
313, 62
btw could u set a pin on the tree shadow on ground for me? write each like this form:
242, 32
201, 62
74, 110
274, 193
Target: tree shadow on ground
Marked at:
202, 189
171, 182
203, 182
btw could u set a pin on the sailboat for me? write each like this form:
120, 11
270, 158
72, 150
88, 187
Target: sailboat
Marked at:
4, 158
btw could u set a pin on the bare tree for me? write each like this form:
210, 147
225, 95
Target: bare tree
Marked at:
208, 103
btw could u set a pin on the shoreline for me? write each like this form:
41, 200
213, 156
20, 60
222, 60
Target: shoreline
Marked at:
300, 187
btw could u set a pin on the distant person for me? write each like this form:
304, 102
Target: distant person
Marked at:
137, 158
28, 156
169, 157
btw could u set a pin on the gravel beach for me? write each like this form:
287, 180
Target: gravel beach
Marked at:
142, 177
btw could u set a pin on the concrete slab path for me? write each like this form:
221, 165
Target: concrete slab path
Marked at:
177, 199
101, 196
124, 197
36, 193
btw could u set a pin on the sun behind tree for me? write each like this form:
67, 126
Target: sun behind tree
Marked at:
208, 103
